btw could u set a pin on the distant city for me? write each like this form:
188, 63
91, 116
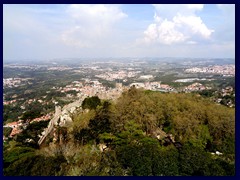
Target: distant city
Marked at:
108, 80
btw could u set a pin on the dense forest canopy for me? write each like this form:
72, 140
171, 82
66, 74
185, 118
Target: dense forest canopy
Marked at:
142, 133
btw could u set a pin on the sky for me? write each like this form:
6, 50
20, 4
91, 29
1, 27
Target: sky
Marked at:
50, 31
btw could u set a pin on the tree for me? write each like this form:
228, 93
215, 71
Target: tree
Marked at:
165, 162
97, 125
91, 102
12, 154
7, 131
31, 132
194, 161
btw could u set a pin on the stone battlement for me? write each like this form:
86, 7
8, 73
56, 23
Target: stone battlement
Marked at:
61, 117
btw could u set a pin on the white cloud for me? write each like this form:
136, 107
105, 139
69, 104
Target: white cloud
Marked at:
177, 24
106, 13
195, 6
193, 24
164, 32
90, 23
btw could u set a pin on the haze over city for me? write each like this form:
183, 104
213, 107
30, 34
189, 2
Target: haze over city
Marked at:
99, 31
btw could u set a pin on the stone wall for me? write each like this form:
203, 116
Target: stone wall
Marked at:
62, 117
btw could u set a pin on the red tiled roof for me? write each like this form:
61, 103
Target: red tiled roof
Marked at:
12, 124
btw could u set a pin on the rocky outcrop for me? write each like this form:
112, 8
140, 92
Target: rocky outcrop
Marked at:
159, 134
62, 118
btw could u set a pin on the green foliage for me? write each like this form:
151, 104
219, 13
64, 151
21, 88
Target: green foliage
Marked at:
107, 83
7, 131
128, 127
137, 158
202, 137
81, 120
20, 167
194, 161
135, 105
221, 123
35, 165
15, 153
54, 94
91, 102
165, 162
207, 93
53, 165
23, 161
96, 126
100, 123
226, 99
144, 157
31, 132
31, 114
11, 113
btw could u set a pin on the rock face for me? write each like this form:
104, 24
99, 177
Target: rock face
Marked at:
102, 147
65, 118
159, 134
62, 117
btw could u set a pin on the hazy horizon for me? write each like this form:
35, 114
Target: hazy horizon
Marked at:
120, 59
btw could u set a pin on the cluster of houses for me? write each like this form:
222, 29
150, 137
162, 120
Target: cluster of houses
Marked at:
9, 102
14, 82
121, 74
18, 126
155, 86
227, 91
195, 87
90, 88
42, 118
224, 69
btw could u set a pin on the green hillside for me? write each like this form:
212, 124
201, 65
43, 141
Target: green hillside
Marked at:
143, 133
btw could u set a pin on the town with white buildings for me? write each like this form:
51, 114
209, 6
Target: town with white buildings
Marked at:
217, 69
